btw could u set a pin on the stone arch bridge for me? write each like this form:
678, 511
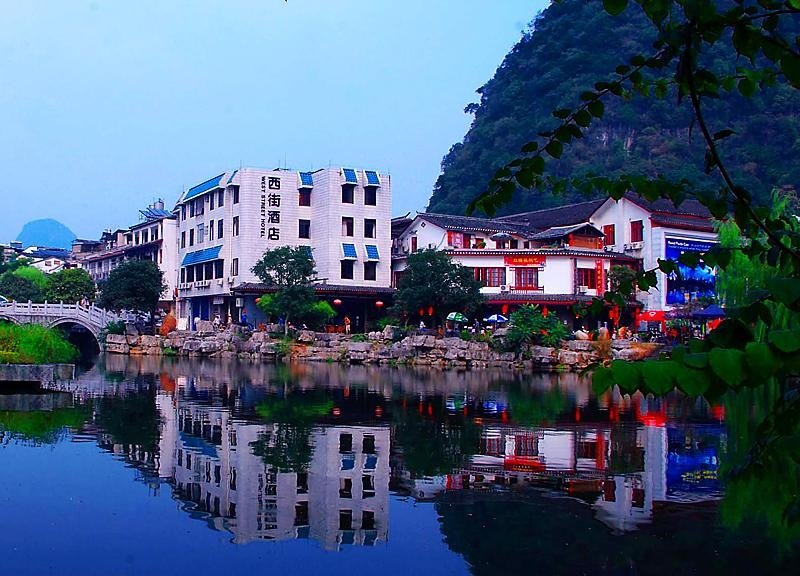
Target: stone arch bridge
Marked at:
52, 315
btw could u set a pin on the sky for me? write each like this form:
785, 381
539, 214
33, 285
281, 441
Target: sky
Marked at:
106, 105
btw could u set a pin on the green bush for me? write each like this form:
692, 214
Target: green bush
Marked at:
117, 327
358, 338
465, 335
388, 321
34, 344
529, 326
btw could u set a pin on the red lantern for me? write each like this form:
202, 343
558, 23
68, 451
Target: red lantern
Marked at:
545, 311
505, 309
430, 311
258, 300
379, 303
421, 312
337, 302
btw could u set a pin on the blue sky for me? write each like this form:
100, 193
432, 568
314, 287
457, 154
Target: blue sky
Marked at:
107, 105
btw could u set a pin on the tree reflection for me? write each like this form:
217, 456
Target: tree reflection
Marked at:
40, 426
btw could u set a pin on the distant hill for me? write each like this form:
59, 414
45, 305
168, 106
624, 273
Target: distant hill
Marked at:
46, 232
573, 44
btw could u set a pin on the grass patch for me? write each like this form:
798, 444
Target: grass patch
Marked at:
40, 426
34, 344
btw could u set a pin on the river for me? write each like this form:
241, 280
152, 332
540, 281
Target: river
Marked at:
164, 466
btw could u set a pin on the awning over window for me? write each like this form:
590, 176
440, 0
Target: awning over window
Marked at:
200, 256
372, 252
349, 176
204, 187
349, 251
372, 178
306, 179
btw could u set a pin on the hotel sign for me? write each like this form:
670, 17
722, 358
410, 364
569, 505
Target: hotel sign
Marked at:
526, 260
270, 207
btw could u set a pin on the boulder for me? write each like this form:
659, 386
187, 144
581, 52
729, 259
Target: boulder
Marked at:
204, 326
192, 345
116, 339
117, 347
150, 341
579, 345
388, 332
306, 337
210, 346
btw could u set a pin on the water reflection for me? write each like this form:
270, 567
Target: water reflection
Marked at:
318, 452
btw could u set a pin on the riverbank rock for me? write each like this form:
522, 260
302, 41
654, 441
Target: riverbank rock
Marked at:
117, 344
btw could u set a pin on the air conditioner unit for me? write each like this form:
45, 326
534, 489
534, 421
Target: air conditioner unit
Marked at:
634, 246
431, 245
219, 282
583, 289
609, 248
504, 288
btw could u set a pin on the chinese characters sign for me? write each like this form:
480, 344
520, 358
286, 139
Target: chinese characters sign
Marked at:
270, 207
525, 260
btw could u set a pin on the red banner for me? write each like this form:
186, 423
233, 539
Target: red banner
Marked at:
601, 281
526, 260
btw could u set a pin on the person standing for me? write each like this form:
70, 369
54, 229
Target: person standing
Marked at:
347, 324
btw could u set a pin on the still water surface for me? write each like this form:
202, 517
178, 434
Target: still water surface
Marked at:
146, 466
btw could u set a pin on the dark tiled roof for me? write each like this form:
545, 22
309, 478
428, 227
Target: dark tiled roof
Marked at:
587, 253
332, 289
399, 225
50, 253
539, 298
686, 222
561, 216
563, 231
689, 207
469, 223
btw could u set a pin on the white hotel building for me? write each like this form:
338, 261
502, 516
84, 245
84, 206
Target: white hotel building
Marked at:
227, 222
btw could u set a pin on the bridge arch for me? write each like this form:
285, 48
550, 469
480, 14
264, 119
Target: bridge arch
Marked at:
68, 323
9, 318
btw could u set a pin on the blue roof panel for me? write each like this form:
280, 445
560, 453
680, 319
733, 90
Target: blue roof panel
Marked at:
201, 256
204, 187
306, 179
372, 178
232, 175
349, 251
350, 176
372, 252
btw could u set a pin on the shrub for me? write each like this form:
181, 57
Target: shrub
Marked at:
34, 344
529, 326
117, 327
465, 335
388, 321
359, 338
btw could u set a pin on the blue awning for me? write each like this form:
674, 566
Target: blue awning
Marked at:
201, 256
195, 444
372, 178
204, 187
349, 251
306, 180
372, 252
349, 176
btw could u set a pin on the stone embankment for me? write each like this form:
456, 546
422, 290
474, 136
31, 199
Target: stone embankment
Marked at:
373, 348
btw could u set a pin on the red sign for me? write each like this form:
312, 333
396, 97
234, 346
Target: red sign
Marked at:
526, 260
601, 281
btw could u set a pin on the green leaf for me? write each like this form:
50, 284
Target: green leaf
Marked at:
627, 375
596, 108
790, 66
691, 382
761, 362
658, 376
724, 134
537, 165
583, 118
728, 364
785, 290
554, 148
747, 87
615, 7
602, 380
696, 360
525, 178
562, 113
787, 341
530, 147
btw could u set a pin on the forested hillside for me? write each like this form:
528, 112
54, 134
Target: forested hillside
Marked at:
570, 46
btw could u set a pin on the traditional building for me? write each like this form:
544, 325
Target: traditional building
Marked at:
226, 223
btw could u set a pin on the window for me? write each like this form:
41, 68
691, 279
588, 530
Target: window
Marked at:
190, 274
136, 238
526, 278
370, 270
413, 243
347, 226
235, 267
219, 268
368, 486
304, 229
183, 275
154, 234
221, 198
347, 270
637, 231
183, 239
211, 230
345, 519
304, 198
587, 277
211, 201
345, 443
458, 239
191, 208
514, 244
183, 212
370, 196
370, 228
201, 233
191, 237
345, 488
348, 193
368, 444
235, 225
491, 277
209, 270
235, 195
199, 209
367, 520
609, 235
220, 229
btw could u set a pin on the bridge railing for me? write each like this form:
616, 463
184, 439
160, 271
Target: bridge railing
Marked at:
93, 314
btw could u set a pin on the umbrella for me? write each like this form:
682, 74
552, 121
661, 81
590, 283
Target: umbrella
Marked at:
709, 312
496, 318
456, 317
